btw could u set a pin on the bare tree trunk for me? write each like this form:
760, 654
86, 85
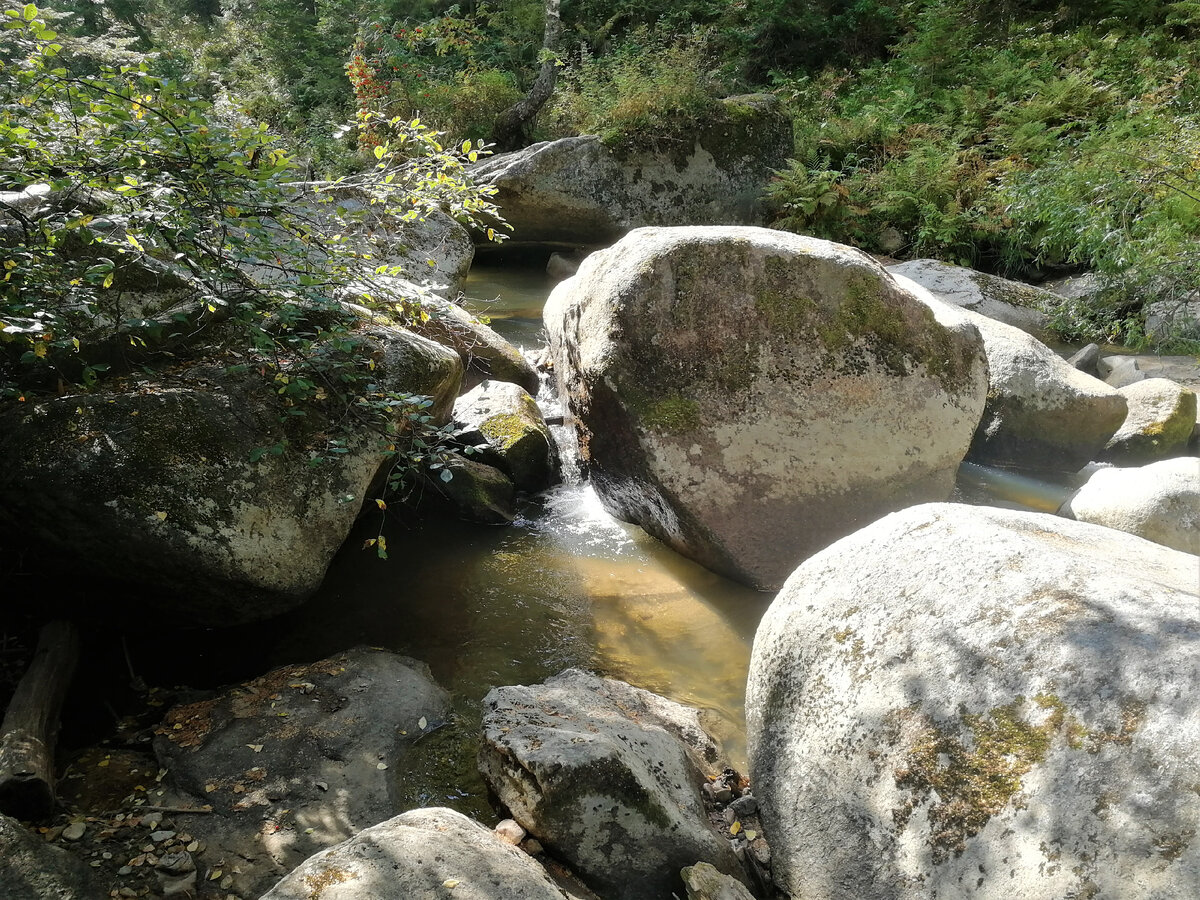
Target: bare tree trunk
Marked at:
510, 131
31, 725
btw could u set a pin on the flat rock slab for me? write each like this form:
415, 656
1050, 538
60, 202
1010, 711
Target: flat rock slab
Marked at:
608, 777
971, 702
425, 853
298, 759
748, 396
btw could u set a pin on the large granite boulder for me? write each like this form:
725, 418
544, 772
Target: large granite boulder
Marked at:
963, 701
748, 396
172, 484
1042, 412
579, 190
1158, 425
608, 777
425, 853
298, 759
32, 869
1011, 302
1160, 502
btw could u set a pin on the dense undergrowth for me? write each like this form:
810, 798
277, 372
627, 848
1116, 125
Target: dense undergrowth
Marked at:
1024, 137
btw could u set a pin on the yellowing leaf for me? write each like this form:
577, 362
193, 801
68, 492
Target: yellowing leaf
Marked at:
379, 151
380, 503
450, 883
161, 516
735, 827
751, 835
134, 243
257, 748
421, 723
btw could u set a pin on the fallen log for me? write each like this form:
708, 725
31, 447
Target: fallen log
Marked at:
31, 725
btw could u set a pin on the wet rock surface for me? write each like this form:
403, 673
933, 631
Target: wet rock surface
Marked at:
970, 696
505, 423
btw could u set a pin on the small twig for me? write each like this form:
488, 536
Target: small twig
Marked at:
170, 809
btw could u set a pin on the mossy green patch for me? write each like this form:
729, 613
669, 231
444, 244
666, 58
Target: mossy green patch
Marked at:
673, 414
504, 430
972, 770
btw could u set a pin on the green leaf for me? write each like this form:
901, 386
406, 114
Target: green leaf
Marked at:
30, 12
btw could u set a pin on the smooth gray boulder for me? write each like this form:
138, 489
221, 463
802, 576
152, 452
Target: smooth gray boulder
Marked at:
32, 869
1041, 413
972, 702
748, 396
1014, 303
505, 422
425, 853
1120, 371
1158, 425
484, 353
582, 191
298, 759
608, 777
173, 484
1160, 502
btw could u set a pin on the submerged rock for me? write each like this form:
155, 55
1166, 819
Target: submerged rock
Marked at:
425, 853
580, 190
748, 396
608, 778
966, 701
1020, 305
1158, 425
171, 484
1041, 413
1160, 502
297, 759
505, 422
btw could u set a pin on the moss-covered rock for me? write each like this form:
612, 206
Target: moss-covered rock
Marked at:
1159, 424
200, 487
477, 492
582, 190
747, 396
967, 701
505, 422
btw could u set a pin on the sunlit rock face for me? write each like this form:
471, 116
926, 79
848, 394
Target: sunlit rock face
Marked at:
749, 396
964, 701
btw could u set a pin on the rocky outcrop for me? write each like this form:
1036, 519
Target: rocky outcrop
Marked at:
506, 424
580, 191
423, 853
485, 354
1160, 502
32, 869
1020, 305
608, 777
704, 882
965, 701
298, 759
182, 484
1158, 425
748, 396
1042, 413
